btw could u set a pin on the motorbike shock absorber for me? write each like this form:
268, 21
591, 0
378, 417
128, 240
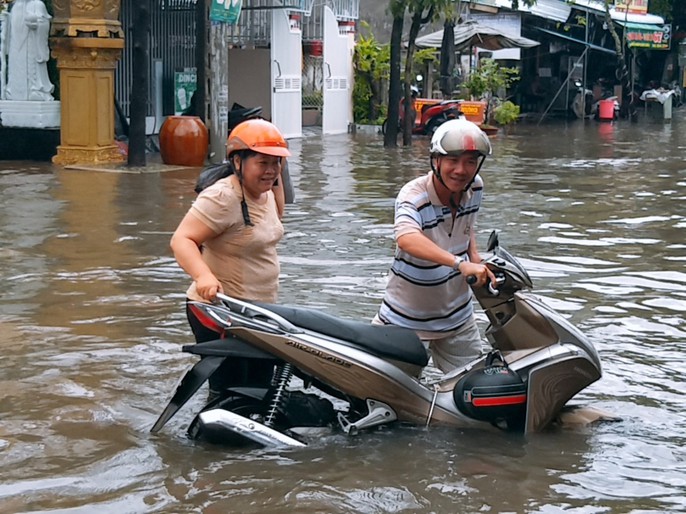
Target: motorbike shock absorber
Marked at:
284, 374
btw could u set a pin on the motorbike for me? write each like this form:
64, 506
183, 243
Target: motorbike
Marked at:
582, 105
312, 369
432, 114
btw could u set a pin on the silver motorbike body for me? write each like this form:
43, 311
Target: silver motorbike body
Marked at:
380, 366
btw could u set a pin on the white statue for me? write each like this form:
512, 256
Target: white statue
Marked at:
26, 46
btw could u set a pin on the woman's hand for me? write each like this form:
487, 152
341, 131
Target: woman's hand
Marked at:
208, 286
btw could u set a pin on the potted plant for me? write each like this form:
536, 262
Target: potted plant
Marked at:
486, 80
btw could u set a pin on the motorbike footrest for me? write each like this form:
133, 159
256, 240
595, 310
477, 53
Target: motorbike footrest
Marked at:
378, 414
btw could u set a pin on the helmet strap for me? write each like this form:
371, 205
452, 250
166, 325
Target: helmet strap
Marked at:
478, 169
437, 170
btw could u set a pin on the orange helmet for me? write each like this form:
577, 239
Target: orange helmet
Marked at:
259, 136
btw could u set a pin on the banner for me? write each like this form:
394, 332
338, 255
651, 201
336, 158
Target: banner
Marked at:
226, 11
185, 84
632, 6
653, 37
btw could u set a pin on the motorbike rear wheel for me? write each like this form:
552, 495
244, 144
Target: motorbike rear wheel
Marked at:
434, 123
299, 409
250, 408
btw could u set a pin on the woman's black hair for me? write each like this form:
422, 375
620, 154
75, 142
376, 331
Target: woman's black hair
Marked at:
243, 154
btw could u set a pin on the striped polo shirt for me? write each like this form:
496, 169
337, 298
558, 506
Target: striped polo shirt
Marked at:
422, 295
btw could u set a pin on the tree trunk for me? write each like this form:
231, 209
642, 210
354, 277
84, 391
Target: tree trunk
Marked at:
628, 107
409, 119
391, 136
139, 85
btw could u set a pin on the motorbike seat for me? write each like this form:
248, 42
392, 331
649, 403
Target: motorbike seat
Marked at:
385, 341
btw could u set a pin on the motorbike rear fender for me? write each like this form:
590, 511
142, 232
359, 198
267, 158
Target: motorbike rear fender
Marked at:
227, 347
190, 383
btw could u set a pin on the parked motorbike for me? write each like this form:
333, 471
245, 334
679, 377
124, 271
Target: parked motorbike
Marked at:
312, 362
431, 115
582, 105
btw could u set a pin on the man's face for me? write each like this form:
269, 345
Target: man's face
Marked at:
458, 171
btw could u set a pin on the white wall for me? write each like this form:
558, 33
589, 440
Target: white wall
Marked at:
250, 79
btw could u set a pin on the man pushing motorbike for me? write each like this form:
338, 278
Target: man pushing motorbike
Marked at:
435, 217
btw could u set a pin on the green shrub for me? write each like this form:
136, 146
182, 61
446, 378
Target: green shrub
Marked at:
506, 113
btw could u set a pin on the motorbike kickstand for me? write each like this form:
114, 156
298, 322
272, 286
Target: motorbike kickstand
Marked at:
379, 413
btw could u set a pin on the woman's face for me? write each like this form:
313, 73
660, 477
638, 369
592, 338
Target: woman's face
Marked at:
259, 172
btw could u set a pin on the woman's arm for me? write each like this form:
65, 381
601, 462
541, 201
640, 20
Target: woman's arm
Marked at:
185, 243
279, 196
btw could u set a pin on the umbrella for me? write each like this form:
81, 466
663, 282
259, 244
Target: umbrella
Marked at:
471, 33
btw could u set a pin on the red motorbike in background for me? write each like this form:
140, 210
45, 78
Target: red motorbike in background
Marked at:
429, 114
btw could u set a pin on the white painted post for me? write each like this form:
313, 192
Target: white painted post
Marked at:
3, 53
219, 91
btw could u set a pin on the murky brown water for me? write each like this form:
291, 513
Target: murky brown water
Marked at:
92, 321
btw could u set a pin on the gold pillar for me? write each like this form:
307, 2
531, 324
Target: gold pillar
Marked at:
87, 42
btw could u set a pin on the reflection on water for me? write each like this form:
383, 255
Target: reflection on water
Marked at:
92, 321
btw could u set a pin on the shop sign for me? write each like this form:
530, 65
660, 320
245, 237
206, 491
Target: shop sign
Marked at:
654, 37
632, 6
226, 11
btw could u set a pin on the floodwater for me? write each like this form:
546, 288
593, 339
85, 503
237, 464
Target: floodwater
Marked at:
92, 323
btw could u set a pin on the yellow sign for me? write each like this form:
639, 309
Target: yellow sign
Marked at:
474, 111
632, 6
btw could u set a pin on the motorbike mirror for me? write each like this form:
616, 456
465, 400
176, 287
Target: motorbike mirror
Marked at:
493, 242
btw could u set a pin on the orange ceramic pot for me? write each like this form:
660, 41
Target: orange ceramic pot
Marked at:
184, 141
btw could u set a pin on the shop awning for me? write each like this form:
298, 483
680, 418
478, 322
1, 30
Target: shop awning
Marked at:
591, 46
554, 10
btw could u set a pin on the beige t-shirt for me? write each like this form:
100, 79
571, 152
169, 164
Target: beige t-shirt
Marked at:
243, 258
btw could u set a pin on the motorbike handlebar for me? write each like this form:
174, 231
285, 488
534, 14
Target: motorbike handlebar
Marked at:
471, 280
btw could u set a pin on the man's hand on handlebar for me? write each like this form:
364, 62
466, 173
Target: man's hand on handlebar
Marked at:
477, 274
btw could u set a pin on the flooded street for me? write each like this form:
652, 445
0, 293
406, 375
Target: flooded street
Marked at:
92, 322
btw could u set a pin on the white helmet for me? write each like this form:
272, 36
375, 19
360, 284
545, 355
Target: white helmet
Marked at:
457, 136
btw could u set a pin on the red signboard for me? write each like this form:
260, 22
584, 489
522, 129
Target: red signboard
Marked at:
632, 6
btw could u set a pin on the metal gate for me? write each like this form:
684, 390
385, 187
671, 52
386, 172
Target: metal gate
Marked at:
286, 74
172, 48
338, 74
